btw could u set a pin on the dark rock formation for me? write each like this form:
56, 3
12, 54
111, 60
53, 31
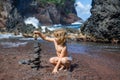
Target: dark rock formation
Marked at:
104, 23
48, 14
3, 15
17, 11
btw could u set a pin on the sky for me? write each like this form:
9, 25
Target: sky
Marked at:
83, 8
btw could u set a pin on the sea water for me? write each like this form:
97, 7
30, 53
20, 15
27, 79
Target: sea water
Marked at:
92, 47
59, 26
75, 47
10, 35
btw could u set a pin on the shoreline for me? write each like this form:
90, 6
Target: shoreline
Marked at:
73, 35
88, 65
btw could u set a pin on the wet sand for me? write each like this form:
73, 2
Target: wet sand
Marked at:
88, 63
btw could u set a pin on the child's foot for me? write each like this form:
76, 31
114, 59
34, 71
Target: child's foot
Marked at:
61, 68
67, 68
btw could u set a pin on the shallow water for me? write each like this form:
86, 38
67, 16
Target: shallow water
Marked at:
12, 44
73, 47
88, 47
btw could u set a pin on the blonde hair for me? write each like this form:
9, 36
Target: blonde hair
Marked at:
61, 35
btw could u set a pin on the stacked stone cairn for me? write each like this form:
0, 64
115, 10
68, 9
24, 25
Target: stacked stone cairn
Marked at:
35, 61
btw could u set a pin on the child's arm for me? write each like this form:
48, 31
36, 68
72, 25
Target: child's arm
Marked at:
44, 37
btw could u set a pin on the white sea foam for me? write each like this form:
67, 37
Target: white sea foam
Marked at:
43, 28
32, 20
5, 35
12, 44
54, 27
51, 28
27, 39
35, 22
77, 22
9, 35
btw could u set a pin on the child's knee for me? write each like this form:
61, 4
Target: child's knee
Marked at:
51, 60
64, 60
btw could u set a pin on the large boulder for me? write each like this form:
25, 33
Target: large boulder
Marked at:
104, 23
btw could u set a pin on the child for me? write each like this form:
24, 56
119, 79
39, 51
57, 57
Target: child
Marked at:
62, 60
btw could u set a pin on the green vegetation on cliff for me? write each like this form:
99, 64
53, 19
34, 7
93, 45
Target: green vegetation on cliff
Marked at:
61, 5
60, 2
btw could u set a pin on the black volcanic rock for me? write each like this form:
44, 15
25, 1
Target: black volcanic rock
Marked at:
104, 23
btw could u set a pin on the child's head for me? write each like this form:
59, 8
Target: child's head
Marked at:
60, 35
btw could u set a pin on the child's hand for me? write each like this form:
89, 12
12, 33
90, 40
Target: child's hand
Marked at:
55, 71
36, 32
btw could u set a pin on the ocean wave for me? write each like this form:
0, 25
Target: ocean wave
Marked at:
9, 35
13, 44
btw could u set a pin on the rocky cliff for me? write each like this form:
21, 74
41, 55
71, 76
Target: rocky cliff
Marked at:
104, 23
13, 13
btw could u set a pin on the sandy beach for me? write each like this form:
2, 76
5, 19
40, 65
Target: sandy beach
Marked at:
88, 63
